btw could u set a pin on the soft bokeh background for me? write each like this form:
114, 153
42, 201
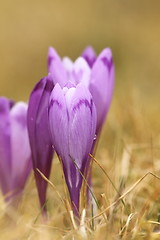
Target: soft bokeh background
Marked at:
130, 28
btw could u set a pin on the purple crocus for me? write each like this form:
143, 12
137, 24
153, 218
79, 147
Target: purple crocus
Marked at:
96, 73
15, 153
72, 118
39, 136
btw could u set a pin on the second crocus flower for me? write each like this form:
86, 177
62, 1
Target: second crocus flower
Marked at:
39, 136
95, 72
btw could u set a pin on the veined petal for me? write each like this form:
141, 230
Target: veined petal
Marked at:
39, 135
81, 72
102, 85
82, 125
5, 145
82, 114
52, 55
20, 148
56, 68
68, 64
58, 119
89, 55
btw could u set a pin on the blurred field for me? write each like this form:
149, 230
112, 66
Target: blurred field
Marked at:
130, 143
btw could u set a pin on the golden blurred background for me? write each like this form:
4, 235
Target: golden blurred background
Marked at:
130, 28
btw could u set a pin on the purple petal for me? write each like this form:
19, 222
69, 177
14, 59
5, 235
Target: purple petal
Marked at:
5, 145
68, 64
20, 148
56, 68
39, 136
52, 55
82, 131
58, 118
81, 71
89, 55
59, 127
78, 71
102, 85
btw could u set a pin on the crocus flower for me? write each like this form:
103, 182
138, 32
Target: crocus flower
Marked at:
96, 73
72, 118
15, 153
39, 136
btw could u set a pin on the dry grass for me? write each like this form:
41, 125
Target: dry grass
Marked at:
126, 184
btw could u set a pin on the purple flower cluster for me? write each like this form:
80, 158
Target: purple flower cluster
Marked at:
66, 112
